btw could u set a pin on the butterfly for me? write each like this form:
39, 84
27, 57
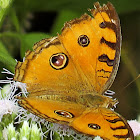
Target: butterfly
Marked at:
66, 76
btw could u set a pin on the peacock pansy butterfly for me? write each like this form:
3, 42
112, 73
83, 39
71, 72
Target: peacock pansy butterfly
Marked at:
66, 76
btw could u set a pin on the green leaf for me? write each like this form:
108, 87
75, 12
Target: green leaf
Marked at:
6, 58
4, 7
28, 40
64, 15
15, 19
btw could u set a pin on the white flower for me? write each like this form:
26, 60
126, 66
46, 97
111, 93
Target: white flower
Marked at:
25, 131
11, 132
97, 138
4, 133
135, 125
7, 106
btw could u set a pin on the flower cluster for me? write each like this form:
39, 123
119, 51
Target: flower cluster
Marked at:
9, 105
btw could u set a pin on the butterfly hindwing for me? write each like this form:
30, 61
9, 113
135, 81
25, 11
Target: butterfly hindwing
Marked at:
66, 76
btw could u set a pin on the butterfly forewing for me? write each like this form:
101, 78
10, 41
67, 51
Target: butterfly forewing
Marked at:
67, 75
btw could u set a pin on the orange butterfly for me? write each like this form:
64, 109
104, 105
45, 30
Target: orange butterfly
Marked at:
66, 76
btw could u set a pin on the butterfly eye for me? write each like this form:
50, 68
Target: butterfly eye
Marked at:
59, 61
63, 113
94, 126
83, 40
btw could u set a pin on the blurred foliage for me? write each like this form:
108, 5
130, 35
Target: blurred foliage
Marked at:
22, 26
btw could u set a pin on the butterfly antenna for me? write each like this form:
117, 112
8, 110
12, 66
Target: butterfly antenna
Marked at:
130, 83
